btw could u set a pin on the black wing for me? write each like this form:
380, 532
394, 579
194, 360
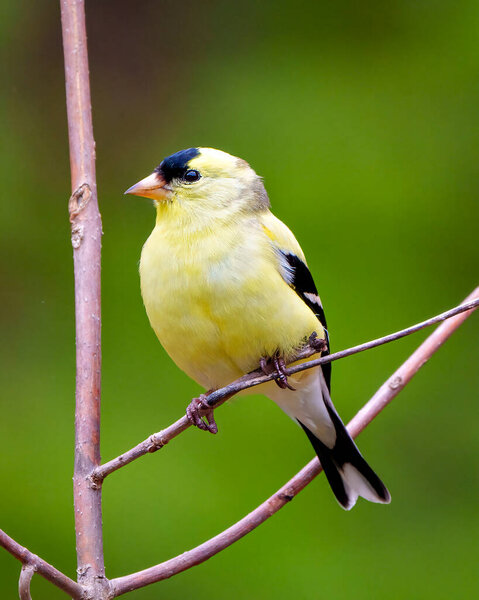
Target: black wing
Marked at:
298, 277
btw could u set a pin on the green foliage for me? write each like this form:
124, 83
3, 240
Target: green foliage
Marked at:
362, 118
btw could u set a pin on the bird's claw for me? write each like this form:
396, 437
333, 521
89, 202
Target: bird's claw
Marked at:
319, 344
276, 366
199, 408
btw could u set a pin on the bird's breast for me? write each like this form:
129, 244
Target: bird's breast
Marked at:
217, 303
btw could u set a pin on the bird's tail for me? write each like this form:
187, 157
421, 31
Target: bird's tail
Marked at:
349, 475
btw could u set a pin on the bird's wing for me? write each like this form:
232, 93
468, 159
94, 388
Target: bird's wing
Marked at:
348, 473
294, 270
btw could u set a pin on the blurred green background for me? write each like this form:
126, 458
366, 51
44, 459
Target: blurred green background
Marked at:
363, 120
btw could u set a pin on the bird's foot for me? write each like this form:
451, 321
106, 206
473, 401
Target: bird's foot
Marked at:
318, 344
276, 366
199, 408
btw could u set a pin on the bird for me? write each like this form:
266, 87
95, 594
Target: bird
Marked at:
227, 289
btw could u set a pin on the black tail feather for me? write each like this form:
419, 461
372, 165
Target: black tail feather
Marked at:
347, 484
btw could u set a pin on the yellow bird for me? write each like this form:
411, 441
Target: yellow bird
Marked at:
226, 289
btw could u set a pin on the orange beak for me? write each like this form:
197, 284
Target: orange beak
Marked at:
153, 186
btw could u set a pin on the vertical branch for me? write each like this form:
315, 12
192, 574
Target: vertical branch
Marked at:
86, 240
26, 575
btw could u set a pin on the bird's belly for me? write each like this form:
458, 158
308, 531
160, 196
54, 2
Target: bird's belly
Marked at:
180, 316
217, 318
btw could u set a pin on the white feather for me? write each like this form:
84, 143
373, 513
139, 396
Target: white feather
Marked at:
306, 405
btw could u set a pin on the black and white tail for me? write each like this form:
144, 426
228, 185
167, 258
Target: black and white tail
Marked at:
348, 474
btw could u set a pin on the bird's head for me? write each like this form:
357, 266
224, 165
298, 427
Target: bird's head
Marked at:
203, 181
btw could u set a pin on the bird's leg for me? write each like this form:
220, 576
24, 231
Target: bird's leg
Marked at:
319, 344
199, 408
276, 365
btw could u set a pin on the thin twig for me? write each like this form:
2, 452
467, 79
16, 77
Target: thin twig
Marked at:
256, 378
41, 567
86, 240
158, 440
378, 402
24, 581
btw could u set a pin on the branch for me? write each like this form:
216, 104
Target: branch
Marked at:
378, 402
24, 581
86, 241
158, 440
39, 566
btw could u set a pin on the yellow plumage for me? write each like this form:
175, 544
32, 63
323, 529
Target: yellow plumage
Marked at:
225, 283
212, 299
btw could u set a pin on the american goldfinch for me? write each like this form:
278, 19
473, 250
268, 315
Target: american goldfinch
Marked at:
226, 288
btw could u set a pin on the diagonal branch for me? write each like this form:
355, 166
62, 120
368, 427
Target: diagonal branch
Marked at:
158, 440
41, 567
389, 390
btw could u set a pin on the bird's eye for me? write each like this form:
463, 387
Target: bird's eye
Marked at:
191, 176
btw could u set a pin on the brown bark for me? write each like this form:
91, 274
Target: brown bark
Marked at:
86, 240
24, 581
40, 566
